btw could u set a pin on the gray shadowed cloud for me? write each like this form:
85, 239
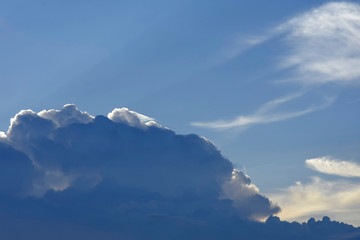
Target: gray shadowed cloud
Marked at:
67, 170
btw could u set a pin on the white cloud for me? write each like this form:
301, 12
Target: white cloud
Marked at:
339, 200
324, 43
237, 46
265, 114
329, 165
2, 135
241, 191
67, 115
131, 118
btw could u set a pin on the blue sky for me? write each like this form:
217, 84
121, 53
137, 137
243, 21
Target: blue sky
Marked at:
271, 83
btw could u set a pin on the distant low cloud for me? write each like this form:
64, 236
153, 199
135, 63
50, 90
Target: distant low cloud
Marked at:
338, 199
265, 114
333, 166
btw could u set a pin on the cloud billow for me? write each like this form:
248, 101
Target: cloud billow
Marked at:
65, 169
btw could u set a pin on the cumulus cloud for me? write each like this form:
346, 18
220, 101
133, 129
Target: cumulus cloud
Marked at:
70, 149
265, 114
2, 135
67, 115
124, 115
333, 166
339, 199
242, 191
117, 174
16, 172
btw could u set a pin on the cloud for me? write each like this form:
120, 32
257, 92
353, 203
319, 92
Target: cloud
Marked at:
237, 46
124, 115
332, 166
67, 115
265, 114
339, 199
324, 44
16, 172
72, 149
85, 177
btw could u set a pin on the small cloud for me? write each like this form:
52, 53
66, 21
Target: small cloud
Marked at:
265, 114
333, 166
237, 46
134, 119
2, 135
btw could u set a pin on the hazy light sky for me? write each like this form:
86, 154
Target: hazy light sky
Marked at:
274, 84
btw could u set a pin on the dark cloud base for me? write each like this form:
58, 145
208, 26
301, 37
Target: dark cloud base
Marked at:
67, 175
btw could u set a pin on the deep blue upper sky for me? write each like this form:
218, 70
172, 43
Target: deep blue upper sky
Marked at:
186, 62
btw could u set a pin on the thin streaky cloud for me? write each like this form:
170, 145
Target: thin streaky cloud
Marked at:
236, 47
333, 166
323, 44
276, 102
265, 114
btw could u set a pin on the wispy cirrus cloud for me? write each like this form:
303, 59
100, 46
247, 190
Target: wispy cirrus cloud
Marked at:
322, 46
333, 166
265, 114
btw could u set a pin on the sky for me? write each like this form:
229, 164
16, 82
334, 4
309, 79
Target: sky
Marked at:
273, 84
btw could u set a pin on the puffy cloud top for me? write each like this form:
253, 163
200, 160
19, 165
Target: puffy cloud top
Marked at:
134, 119
67, 115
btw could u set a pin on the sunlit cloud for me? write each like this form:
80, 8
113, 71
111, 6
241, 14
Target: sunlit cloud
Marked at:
322, 46
2, 135
132, 118
337, 199
265, 114
333, 166
324, 43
